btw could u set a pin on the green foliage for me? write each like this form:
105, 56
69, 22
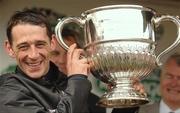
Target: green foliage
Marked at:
11, 68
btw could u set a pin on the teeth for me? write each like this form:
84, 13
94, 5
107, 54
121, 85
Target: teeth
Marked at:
173, 91
34, 64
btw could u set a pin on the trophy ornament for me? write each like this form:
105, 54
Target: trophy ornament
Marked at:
120, 42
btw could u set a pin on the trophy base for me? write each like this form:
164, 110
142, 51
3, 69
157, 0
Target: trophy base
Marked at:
122, 99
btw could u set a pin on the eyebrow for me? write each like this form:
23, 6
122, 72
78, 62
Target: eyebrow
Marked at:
18, 45
36, 42
40, 41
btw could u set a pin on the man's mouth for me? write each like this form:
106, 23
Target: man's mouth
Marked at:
173, 91
34, 64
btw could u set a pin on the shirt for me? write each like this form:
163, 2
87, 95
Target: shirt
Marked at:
164, 108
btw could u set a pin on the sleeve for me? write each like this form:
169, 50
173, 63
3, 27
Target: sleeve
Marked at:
126, 110
14, 101
78, 90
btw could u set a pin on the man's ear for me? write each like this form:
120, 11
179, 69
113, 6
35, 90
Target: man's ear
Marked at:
9, 49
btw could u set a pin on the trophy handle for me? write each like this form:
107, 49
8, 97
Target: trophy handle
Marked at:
59, 27
176, 42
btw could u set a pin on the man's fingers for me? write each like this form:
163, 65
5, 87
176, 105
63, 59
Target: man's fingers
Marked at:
70, 51
138, 86
76, 64
135, 80
75, 53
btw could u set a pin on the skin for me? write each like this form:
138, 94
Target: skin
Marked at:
75, 64
31, 47
170, 84
69, 62
59, 54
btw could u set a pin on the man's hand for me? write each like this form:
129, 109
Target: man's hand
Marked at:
76, 64
138, 86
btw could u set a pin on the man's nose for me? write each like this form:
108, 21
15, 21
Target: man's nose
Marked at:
34, 52
174, 81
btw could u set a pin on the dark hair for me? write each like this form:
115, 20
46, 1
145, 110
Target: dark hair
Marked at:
30, 17
68, 32
51, 15
176, 57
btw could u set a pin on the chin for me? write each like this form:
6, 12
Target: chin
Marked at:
35, 75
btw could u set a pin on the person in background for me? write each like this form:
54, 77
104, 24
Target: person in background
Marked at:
59, 57
169, 88
59, 54
35, 86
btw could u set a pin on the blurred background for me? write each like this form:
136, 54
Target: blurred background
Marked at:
59, 8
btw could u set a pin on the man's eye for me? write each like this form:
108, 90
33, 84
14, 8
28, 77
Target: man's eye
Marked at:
40, 44
169, 76
23, 48
55, 53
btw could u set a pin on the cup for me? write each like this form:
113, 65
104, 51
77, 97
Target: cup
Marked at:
119, 42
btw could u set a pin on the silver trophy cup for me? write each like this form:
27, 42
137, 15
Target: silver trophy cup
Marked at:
119, 41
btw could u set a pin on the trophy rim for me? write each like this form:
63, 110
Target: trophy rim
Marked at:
131, 6
120, 40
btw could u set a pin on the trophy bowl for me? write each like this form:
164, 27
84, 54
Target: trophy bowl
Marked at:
117, 63
119, 41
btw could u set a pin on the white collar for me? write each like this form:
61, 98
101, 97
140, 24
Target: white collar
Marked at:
164, 108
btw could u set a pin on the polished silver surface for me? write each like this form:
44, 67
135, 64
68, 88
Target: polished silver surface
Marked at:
120, 42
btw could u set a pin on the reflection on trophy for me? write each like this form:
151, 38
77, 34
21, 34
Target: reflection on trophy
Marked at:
119, 41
